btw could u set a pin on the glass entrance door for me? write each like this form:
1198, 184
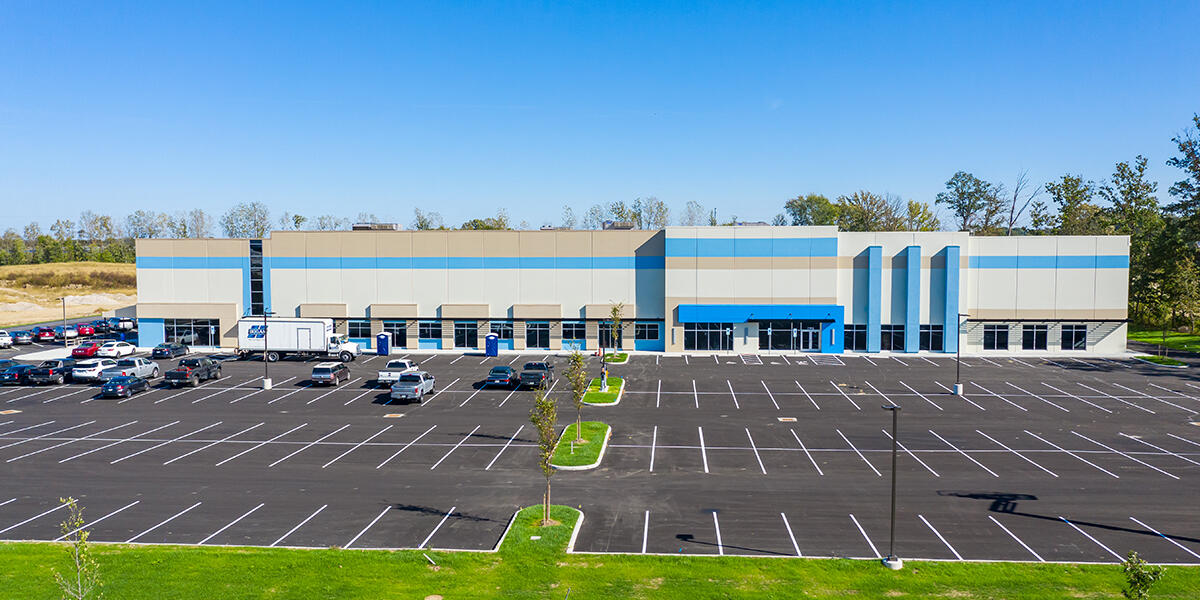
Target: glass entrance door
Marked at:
810, 340
804, 336
466, 335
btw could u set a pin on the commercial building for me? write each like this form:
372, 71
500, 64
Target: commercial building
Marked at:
734, 289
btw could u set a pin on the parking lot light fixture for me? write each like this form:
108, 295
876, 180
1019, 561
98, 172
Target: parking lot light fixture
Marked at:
892, 561
958, 386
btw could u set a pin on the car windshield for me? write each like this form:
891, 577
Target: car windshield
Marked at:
189, 362
398, 364
322, 371
120, 380
163, 346
127, 363
501, 370
535, 366
410, 378
89, 364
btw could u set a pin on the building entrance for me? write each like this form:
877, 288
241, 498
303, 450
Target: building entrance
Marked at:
802, 336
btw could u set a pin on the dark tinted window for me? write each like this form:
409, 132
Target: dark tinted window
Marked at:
501, 370
410, 378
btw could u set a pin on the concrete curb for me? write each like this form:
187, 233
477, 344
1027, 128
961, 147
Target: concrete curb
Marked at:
1150, 362
618, 362
599, 457
620, 392
575, 531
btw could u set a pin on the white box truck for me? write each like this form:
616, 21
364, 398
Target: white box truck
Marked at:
281, 336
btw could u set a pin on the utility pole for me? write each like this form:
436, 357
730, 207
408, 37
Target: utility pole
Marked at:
892, 561
958, 386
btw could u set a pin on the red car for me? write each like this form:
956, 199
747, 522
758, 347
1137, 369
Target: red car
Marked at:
44, 334
87, 350
85, 329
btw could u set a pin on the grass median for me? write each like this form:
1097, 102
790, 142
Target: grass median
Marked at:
1175, 340
595, 396
616, 358
570, 453
527, 568
1163, 360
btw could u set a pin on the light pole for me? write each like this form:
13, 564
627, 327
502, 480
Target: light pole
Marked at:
64, 321
266, 383
892, 561
958, 386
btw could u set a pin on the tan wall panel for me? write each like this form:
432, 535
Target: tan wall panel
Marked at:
394, 243
537, 311
612, 243
393, 311
464, 311
502, 244
604, 311
286, 243
465, 244
537, 244
429, 243
356, 244
324, 309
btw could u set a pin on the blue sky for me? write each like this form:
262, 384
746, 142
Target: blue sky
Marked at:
466, 108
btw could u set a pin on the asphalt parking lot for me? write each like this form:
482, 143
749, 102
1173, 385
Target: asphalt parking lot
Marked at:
1056, 459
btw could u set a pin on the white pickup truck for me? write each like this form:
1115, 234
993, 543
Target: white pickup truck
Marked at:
396, 367
412, 386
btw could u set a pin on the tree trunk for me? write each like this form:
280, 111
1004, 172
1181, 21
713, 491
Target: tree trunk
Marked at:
579, 425
546, 505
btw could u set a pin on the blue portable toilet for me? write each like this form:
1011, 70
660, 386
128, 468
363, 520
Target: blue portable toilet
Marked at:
383, 344
491, 345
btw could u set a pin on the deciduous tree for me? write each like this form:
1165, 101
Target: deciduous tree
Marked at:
83, 581
1078, 214
693, 214
247, 220
577, 380
544, 417
811, 209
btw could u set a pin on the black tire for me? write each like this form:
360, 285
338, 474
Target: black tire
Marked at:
346, 357
61, 379
218, 375
272, 357
128, 394
194, 381
154, 373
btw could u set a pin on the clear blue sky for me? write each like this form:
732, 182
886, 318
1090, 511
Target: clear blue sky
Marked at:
464, 108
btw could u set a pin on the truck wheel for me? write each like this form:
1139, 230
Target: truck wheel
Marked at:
154, 373
346, 356
218, 375
61, 379
272, 356
194, 381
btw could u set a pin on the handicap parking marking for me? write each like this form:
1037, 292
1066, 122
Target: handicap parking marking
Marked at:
1159, 448
806, 394
505, 447
1094, 540
451, 451
1136, 460
920, 395
1061, 449
231, 524
70, 441
806, 453
1165, 537
1031, 395
301, 524
840, 391
168, 520
118, 442
904, 448
1184, 408
860, 454
211, 444
261, 444
865, 536
31, 519
939, 536
425, 542
93, 523
164, 443
309, 445
1018, 454
369, 525
1018, 540
357, 446
405, 447
964, 454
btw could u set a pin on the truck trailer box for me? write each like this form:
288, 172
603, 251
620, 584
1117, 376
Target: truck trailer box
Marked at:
285, 335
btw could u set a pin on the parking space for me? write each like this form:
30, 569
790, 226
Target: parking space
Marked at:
1041, 459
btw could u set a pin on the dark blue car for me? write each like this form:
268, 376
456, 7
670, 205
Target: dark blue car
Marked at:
15, 375
126, 387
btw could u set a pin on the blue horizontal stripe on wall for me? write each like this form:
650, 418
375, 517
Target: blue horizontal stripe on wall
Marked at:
750, 248
1118, 261
403, 262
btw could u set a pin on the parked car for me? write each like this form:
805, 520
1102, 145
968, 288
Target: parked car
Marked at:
537, 374
503, 376
131, 367
65, 333
22, 337
44, 334
7, 362
168, 350
124, 387
89, 370
412, 386
52, 371
116, 349
99, 326
85, 329
394, 369
330, 373
6, 340
15, 375
191, 371
85, 350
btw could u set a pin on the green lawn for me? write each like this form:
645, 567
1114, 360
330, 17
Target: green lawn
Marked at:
595, 396
525, 568
1163, 360
1175, 340
616, 358
578, 454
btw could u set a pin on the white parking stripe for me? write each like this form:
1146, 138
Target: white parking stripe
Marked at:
1159, 448
435, 529
464, 402
93, 523
1031, 395
1183, 439
356, 446
769, 394
860, 455
653, 443
309, 445
460, 442
71, 441
231, 523
431, 428
695, 394
1018, 454
922, 396
369, 390
1069, 394
835, 386
223, 390
755, 448
1159, 533
658, 395
259, 391
881, 394
791, 536
160, 400
49, 400
160, 444
211, 444
1177, 393
1155, 399
1085, 534
990, 362
295, 391
11, 500
1060, 448
717, 528
8, 433
111, 444
939, 536
1004, 399
33, 518
373, 521
168, 520
703, 451
735, 400
645, 531
506, 444
1018, 540
1136, 460
49, 389
460, 357
7, 422
868, 359
1122, 400
510, 395
965, 455
864, 534
899, 361
963, 396
439, 392
298, 526
806, 394
806, 453
1017, 360
260, 444
334, 389
902, 447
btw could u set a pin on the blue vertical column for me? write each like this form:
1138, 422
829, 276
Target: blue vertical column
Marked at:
950, 319
912, 303
874, 295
